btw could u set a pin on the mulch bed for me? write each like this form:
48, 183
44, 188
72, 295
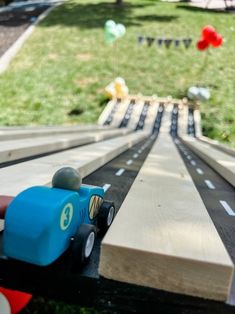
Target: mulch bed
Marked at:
13, 23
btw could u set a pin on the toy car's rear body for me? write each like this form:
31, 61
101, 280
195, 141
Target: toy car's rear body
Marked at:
41, 221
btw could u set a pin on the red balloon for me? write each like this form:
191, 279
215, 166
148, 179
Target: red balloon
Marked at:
17, 300
209, 33
202, 44
218, 41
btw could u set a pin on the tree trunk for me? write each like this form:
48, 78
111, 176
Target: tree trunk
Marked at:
119, 2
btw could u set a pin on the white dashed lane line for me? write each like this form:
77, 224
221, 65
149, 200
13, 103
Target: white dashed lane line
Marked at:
200, 171
135, 155
106, 187
193, 162
129, 162
209, 184
120, 172
227, 208
139, 151
189, 157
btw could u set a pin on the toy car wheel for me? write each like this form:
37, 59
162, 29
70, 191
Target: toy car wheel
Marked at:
83, 243
106, 215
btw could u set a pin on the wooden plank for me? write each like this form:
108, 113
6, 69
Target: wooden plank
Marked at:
151, 116
154, 98
137, 109
86, 158
218, 145
221, 162
162, 236
29, 132
17, 149
120, 113
197, 122
106, 112
183, 119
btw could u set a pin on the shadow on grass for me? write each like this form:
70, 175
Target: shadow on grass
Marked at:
200, 10
157, 18
90, 16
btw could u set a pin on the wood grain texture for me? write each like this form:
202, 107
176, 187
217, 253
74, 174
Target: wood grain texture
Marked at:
17, 149
13, 133
162, 236
220, 161
86, 159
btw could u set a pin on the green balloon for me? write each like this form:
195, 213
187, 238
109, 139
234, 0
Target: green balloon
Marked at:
110, 35
109, 24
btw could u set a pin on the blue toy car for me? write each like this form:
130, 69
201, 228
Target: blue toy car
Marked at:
41, 223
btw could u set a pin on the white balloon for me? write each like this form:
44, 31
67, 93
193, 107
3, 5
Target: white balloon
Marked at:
4, 305
121, 30
204, 94
193, 92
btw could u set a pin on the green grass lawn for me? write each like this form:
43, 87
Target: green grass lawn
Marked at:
43, 306
66, 64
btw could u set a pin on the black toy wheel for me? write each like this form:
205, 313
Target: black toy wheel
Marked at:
82, 244
106, 215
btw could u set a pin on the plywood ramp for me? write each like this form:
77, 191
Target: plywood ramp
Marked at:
163, 236
86, 159
221, 162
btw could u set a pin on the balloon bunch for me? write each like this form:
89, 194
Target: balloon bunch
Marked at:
117, 88
113, 31
164, 41
209, 37
12, 302
198, 93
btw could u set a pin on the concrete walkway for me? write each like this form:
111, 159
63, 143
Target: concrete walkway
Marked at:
220, 5
214, 4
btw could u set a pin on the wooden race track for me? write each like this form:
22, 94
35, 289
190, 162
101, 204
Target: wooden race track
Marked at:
171, 248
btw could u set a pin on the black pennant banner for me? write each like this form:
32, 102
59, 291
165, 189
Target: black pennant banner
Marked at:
187, 42
167, 42
150, 40
140, 39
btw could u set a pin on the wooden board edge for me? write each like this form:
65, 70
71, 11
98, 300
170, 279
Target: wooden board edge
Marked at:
219, 292
225, 172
